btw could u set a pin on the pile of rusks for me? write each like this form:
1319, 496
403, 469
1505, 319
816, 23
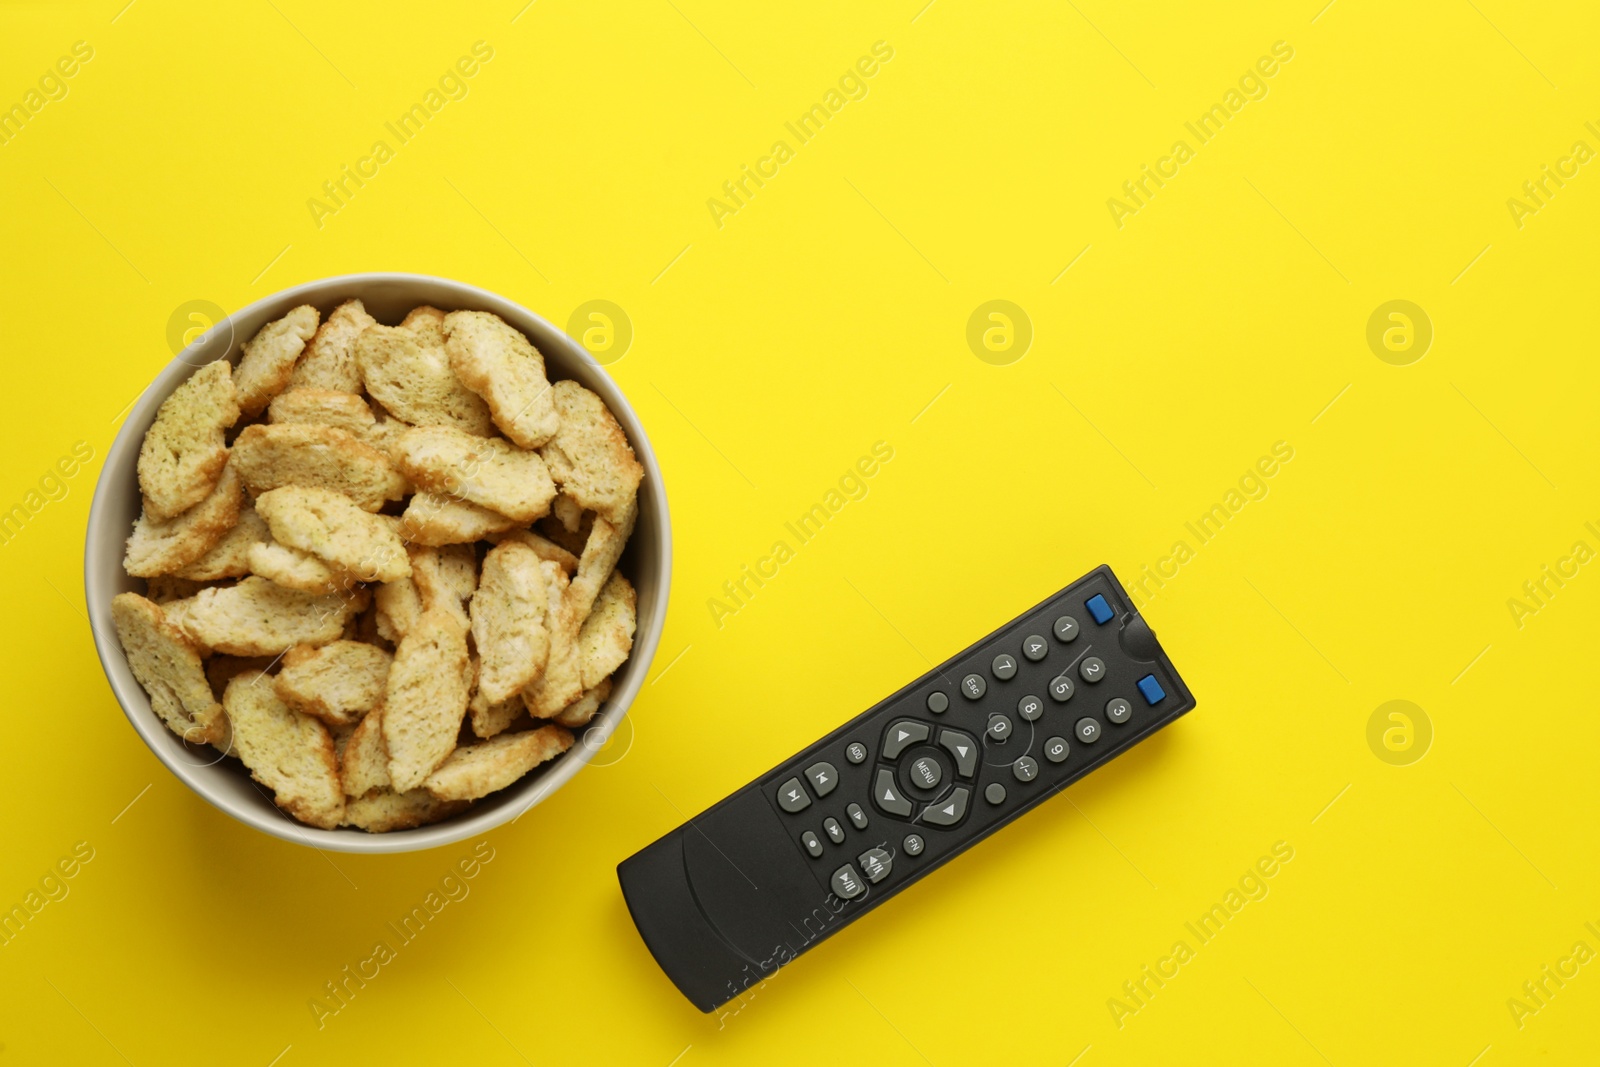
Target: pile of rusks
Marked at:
381, 562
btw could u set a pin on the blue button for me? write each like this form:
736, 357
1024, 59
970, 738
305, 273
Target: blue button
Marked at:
1153, 693
1099, 609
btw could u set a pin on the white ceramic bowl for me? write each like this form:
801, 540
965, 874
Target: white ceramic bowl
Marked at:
225, 782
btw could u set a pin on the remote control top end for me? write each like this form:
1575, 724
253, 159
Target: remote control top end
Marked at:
743, 888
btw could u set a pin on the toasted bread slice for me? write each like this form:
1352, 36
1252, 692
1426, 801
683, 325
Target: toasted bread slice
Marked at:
365, 763
568, 512
429, 684
289, 753
500, 365
329, 360
490, 719
167, 663
185, 449
446, 577
409, 374
323, 407
508, 621
562, 680
542, 546
230, 557
269, 357
168, 547
261, 618
580, 711
338, 683
590, 456
600, 555
386, 810
296, 569
398, 604
427, 323
220, 670
434, 519
474, 771
606, 637
332, 528
164, 588
486, 471
320, 457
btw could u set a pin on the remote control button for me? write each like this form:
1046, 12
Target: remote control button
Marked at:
1034, 648
1025, 769
858, 818
792, 796
1056, 750
925, 772
1088, 730
1061, 689
887, 795
876, 863
846, 884
994, 793
1066, 629
1004, 667
1153, 693
1099, 609
834, 831
999, 727
1030, 708
901, 735
1118, 710
824, 778
912, 844
963, 748
950, 812
937, 703
812, 842
1093, 668
973, 686
856, 752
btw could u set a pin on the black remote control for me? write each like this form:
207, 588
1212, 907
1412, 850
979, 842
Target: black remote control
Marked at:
726, 899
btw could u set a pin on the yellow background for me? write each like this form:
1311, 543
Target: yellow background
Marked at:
770, 353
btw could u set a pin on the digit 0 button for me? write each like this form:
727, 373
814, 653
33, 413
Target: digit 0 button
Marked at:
999, 727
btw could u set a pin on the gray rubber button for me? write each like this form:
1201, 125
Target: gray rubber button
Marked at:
1118, 710
973, 686
925, 772
1030, 708
824, 778
792, 796
912, 844
901, 735
1056, 750
886, 794
1061, 689
1025, 769
1066, 628
1088, 730
999, 727
812, 842
856, 752
858, 818
949, 811
1004, 667
876, 863
1093, 668
847, 884
963, 748
1035, 648
937, 703
834, 831
994, 793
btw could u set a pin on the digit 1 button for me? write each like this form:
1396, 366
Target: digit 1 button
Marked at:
1004, 667
1034, 648
846, 884
999, 727
1056, 750
937, 703
1066, 629
912, 844
823, 778
1061, 689
1093, 668
1118, 710
813, 845
856, 752
1030, 708
792, 796
1088, 730
973, 686
1025, 769
858, 818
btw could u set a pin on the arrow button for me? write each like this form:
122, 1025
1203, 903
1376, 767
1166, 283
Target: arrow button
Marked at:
949, 812
963, 748
901, 735
886, 795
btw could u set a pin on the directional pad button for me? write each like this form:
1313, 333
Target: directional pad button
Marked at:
901, 735
963, 748
887, 796
949, 811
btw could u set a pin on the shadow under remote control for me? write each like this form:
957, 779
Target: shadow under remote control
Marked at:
727, 898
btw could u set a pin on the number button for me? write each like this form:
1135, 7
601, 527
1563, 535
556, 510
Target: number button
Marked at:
1030, 708
1088, 730
1118, 710
1056, 750
999, 727
856, 752
1066, 629
973, 686
1061, 689
1004, 667
1034, 648
1093, 668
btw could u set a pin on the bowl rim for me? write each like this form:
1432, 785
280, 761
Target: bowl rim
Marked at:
135, 702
